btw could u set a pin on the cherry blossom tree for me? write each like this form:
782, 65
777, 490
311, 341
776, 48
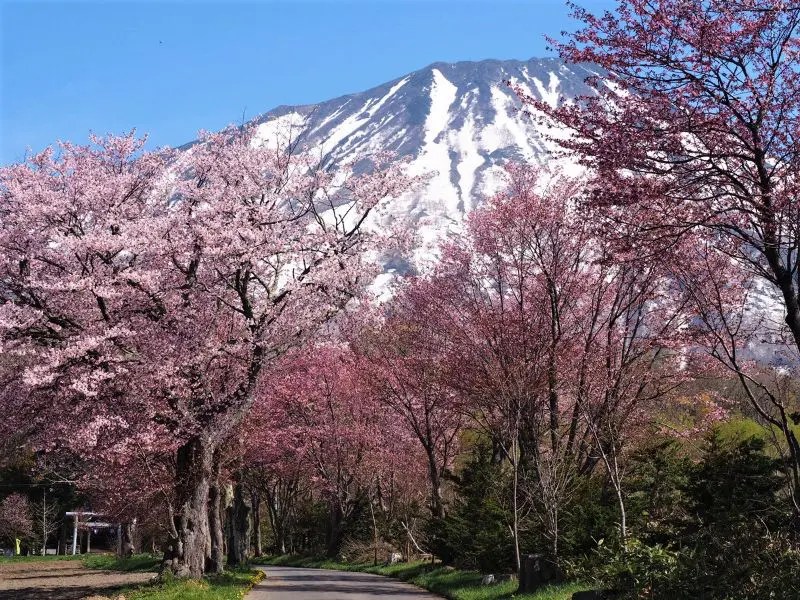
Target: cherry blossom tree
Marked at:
46, 515
630, 361
404, 365
559, 342
270, 449
15, 517
747, 340
145, 293
693, 132
339, 430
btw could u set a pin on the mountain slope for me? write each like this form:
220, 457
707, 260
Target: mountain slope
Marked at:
459, 121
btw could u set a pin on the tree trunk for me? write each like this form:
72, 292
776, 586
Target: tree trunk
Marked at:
186, 551
437, 504
374, 534
216, 561
515, 527
498, 451
276, 519
612, 468
554, 527
255, 501
552, 366
44, 522
62, 538
335, 531
239, 527
126, 544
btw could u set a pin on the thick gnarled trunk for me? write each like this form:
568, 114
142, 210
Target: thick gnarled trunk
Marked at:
216, 558
126, 546
187, 549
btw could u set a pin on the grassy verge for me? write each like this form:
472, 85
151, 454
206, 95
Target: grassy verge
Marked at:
450, 583
37, 558
134, 564
232, 585
108, 562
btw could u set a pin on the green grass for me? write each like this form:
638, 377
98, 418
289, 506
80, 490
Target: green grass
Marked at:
232, 585
450, 583
37, 558
110, 562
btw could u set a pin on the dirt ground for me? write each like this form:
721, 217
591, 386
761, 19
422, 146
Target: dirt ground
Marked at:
60, 580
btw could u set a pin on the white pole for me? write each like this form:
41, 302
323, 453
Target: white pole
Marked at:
75, 536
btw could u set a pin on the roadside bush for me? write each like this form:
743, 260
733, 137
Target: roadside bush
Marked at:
736, 541
637, 569
475, 534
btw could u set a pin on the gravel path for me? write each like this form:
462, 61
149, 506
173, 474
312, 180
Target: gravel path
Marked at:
60, 580
290, 583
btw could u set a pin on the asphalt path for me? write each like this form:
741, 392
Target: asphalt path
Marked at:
293, 583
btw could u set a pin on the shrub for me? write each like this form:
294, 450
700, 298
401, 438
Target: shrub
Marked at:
475, 534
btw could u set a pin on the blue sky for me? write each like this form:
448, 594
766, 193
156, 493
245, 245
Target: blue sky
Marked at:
171, 68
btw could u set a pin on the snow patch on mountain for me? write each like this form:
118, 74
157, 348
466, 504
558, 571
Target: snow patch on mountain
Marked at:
457, 122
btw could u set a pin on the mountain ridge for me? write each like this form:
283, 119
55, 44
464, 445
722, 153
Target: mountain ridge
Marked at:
434, 65
457, 122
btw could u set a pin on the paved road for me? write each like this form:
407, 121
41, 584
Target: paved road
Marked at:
289, 583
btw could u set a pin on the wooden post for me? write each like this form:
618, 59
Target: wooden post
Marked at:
88, 539
536, 572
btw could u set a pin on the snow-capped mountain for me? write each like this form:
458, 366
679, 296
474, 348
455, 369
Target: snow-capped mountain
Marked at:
457, 120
